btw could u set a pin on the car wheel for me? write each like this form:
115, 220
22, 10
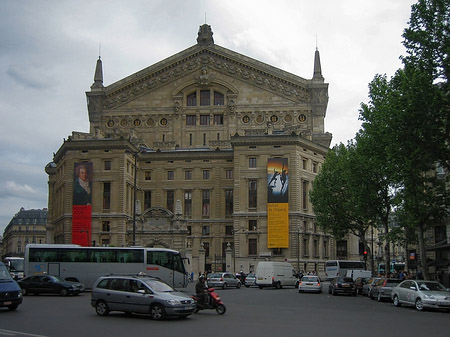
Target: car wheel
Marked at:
333, 292
101, 308
221, 309
379, 297
370, 295
157, 312
24, 292
224, 286
396, 301
329, 290
278, 285
63, 292
419, 304
247, 286
238, 285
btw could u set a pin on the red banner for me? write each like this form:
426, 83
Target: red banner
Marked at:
81, 225
81, 203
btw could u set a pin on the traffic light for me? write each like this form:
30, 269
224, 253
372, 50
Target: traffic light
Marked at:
365, 255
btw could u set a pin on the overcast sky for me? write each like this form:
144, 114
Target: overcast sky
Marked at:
48, 52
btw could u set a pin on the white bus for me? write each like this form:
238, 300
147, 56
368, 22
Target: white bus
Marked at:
15, 265
87, 264
334, 268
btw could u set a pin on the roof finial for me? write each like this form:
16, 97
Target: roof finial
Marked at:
317, 67
98, 76
205, 35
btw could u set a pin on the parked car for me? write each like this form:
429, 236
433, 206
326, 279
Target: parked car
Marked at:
383, 288
368, 286
250, 280
421, 294
139, 294
342, 284
49, 284
10, 292
275, 274
310, 283
359, 283
223, 280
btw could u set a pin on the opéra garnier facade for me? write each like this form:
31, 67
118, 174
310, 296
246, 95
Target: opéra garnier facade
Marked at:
220, 151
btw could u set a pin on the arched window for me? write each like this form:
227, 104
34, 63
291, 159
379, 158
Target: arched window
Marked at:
192, 99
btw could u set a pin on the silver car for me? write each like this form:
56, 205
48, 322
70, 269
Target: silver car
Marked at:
310, 283
421, 294
223, 280
139, 294
250, 280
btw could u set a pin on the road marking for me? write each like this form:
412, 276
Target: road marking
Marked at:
18, 333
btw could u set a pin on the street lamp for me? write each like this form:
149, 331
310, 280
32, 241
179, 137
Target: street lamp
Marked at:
134, 194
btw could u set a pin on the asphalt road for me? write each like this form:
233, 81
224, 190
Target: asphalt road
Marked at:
250, 312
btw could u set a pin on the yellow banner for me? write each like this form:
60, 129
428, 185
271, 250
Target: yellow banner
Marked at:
278, 225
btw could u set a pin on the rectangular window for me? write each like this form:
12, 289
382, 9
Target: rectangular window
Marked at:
187, 203
170, 175
228, 203
252, 162
314, 167
204, 139
229, 174
106, 195
106, 227
305, 194
218, 98
191, 119
206, 202
148, 175
305, 163
190, 139
204, 119
170, 196
107, 165
218, 119
188, 175
252, 225
206, 248
252, 194
205, 230
252, 247
205, 97
305, 247
229, 230
192, 99
147, 199
205, 174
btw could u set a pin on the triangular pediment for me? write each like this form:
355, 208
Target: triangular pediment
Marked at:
215, 59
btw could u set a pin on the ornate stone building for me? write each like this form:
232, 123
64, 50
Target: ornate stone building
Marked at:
190, 138
27, 226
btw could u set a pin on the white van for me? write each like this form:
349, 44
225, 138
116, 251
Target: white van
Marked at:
354, 274
275, 274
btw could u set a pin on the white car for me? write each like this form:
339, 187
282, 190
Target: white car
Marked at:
421, 294
310, 283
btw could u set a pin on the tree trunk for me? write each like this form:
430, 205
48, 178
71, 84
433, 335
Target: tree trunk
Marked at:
422, 252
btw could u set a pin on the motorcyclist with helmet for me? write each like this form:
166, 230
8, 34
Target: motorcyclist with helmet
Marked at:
201, 290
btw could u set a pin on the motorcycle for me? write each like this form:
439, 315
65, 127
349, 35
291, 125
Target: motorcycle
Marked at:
214, 302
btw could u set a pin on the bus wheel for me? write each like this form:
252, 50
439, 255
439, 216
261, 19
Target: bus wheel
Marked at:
101, 308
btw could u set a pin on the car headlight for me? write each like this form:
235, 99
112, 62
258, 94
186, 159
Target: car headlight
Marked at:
173, 302
429, 297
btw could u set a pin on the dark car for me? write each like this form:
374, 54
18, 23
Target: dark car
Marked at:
49, 284
367, 288
383, 288
343, 285
359, 283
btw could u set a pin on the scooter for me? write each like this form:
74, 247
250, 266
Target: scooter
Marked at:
214, 302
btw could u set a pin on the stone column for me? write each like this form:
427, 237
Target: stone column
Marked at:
229, 256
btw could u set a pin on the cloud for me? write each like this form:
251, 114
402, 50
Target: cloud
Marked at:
30, 76
12, 189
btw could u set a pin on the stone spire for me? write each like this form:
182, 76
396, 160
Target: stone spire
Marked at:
98, 76
317, 68
205, 35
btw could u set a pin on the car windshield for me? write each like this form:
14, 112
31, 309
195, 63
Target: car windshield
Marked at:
4, 274
346, 279
250, 275
215, 275
57, 278
431, 286
159, 286
309, 279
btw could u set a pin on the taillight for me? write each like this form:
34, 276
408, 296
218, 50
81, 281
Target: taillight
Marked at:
221, 278
299, 283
